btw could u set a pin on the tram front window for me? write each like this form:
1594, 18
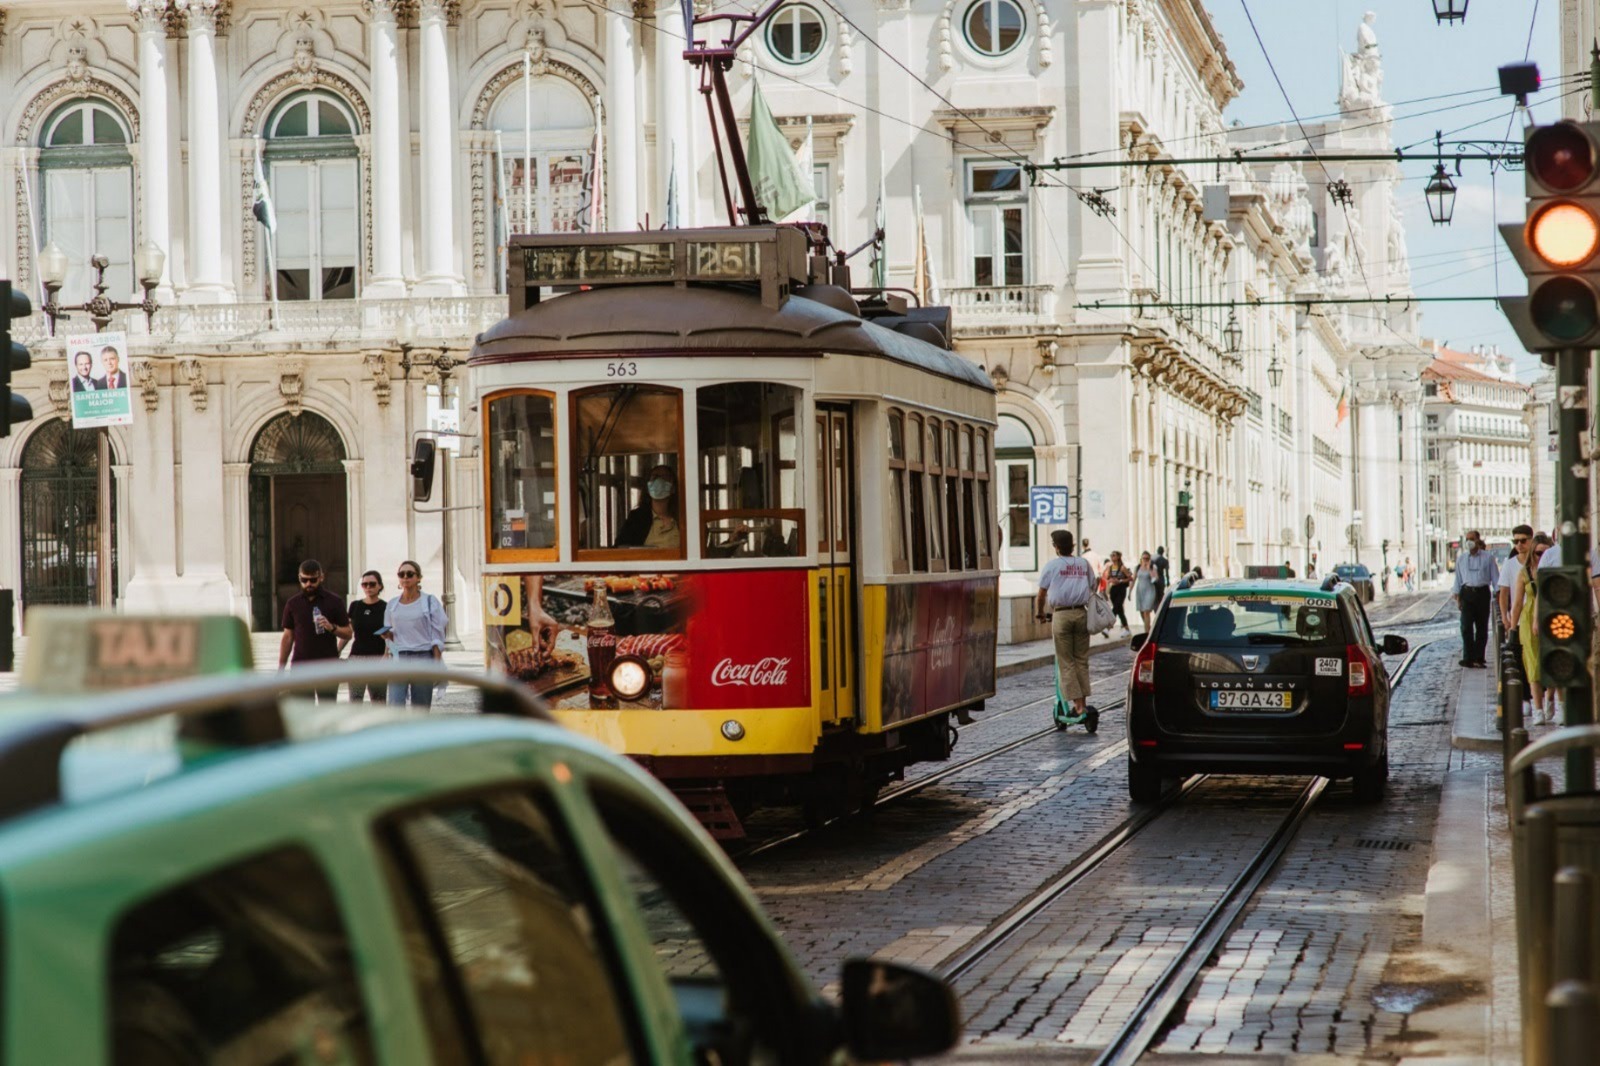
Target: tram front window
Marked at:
626, 440
521, 456
749, 474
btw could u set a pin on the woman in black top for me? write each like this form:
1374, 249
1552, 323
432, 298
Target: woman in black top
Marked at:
1118, 578
366, 618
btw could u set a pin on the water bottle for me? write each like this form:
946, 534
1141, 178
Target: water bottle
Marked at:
317, 621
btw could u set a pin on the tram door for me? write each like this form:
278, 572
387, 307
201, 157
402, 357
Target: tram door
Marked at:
836, 644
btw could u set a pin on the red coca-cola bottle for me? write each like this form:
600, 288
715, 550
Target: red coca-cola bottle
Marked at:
602, 646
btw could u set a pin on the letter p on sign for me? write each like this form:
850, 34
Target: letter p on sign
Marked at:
1047, 504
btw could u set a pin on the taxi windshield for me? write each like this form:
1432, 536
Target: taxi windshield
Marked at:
1246, 621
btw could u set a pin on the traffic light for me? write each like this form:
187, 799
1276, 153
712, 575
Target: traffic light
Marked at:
1558, 246
1564, 625
13, 357
1183, 516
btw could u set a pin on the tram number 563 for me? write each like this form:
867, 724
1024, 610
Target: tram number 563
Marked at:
623, 368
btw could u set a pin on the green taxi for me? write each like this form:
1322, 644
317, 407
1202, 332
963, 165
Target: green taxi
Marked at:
211, 870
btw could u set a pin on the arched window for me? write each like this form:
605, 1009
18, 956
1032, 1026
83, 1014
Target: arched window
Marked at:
60, 517
544, 171
311, 157
87, 178
1014, 478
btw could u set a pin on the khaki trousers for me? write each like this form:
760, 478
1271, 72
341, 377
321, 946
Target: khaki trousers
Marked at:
1069, 627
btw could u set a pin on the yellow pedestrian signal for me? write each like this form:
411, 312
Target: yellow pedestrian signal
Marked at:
1561, 626
1564, 234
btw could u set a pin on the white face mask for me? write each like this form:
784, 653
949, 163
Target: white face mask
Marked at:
1472, 545
658, 488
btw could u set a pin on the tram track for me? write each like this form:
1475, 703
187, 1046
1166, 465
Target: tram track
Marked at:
1149, 1019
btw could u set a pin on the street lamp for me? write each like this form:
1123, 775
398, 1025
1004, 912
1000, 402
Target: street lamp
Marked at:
1274, 372
53, 266
1449, 10
1441, 196
1232, 335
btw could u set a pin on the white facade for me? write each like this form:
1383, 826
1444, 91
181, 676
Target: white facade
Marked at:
401, 140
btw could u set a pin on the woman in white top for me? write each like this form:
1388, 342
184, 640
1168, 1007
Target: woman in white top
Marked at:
414, 627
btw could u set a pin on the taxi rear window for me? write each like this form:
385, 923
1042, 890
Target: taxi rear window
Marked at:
1246, 621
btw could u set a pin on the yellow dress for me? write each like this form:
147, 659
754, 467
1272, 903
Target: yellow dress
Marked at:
1525, 627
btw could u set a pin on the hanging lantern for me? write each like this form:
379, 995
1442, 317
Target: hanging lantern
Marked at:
1232, 334
1441, 196
1449, 10
1275, 372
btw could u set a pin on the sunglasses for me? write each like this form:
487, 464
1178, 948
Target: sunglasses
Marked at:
369, 584
1519, 540
408, 573
309, 580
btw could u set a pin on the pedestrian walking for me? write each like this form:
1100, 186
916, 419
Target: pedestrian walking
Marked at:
366, 618
1145, 595
1410, 576
1097, 565
1117, 579
314, 621
1476, 574
1524, 602
1506, 581
1161, 565
1065, 585
415, 625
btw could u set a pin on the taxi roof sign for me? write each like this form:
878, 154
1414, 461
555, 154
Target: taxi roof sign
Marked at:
72, 650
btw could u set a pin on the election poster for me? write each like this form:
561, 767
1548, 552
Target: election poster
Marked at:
99, 383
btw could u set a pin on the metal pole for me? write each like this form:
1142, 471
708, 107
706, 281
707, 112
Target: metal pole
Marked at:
103, 518
1572, 372
447, 591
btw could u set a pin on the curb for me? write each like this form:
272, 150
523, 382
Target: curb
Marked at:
1472, 712
1033, 662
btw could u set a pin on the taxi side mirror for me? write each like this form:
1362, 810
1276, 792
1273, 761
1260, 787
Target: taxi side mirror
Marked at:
1137, 641
1393, 645
896, 1012
422, 460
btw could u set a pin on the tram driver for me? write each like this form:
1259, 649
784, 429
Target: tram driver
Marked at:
654, 523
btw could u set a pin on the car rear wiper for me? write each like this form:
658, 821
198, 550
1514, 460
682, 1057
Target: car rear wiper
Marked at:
1275, 638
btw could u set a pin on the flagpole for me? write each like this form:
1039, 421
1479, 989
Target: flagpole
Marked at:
503, 230
527, 141
272, 240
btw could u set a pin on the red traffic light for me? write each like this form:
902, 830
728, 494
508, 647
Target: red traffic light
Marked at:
1560, 157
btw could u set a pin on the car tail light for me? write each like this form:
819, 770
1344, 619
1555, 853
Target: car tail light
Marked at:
1360, 676
1144, 668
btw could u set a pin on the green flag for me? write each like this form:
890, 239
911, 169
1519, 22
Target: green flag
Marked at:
780, 187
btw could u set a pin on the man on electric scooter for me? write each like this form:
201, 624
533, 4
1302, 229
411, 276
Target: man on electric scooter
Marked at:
1065, 585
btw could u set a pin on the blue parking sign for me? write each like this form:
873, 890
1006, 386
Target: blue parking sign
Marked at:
1048, 504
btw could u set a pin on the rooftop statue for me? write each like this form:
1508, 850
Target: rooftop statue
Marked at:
1362, 83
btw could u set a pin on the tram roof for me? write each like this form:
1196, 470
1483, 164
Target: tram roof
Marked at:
707, 319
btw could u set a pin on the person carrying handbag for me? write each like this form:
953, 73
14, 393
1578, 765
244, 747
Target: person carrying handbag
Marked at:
1066, 590
414, 624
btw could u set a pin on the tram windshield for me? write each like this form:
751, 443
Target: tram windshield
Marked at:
749, 471
520, 453
627, 440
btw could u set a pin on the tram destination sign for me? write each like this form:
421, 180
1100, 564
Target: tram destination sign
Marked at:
772, 256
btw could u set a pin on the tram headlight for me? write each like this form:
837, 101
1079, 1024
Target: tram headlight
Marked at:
732, 729
630, 677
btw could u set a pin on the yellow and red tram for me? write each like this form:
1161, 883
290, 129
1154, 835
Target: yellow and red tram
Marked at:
735, 528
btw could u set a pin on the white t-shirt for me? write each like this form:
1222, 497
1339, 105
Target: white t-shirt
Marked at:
1069, 580
1508, 573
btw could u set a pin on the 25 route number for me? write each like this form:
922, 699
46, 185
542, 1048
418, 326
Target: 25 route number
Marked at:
622, 369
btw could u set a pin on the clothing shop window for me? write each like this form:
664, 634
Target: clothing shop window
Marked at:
312, 176
796, 33
997, 207
86, 171
994, 27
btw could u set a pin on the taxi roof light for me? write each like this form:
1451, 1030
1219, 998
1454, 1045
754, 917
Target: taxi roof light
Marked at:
1564, 234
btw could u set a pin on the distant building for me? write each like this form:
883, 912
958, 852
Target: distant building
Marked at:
1477, 441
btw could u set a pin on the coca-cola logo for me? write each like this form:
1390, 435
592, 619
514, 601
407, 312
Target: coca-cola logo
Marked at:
770, 671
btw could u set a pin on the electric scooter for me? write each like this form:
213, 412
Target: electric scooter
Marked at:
1063, 715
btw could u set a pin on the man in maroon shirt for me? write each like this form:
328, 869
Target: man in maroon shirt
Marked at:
313, 621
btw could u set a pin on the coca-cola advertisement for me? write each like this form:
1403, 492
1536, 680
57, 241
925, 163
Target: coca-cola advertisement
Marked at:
939, 646
653, 641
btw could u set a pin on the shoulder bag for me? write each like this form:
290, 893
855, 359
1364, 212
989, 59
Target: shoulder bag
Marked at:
1098, 611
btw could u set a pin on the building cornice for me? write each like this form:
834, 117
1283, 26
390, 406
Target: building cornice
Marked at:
1201, 43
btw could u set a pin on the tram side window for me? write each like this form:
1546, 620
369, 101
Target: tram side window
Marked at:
952, 500
971, 548
521, 457
935, 453
986, 528
626, 442
919, 503
749, 474
899, 558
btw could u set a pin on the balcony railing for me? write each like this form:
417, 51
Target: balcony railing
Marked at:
1285, 423
1326, 452
1252, 400
445, 319
1002, 305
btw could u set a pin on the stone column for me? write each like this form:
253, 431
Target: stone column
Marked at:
198, 430
672, 112
388, 157
236, 533
150, 510
622, 122
438, 201
155, 148
207, 282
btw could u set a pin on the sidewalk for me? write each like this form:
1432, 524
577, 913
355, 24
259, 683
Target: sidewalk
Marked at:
1031, 654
